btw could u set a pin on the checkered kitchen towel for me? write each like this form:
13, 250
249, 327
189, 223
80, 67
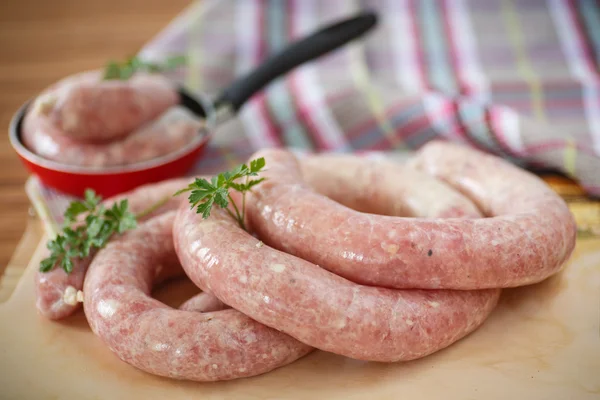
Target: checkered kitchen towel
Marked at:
516, 78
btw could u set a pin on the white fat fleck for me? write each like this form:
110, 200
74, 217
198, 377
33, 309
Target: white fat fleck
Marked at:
267, 299
264, 355
278, 219
409, 322
290, 225
215, 366
392, 234
259, 244
390, 248
107, 308
434, 304
495, 242
266, 211
243, 279
178, 352
350, 255
70, 296
277, 268
242, 369
160, 346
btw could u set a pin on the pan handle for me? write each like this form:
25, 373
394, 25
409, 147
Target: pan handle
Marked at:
309, 48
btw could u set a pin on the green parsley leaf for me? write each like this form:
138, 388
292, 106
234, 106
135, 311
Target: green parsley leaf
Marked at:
204, 208
237, 186
204, 194
253, 183
80, 237
75, 208
112, 71
67, 265
47, 264
126, 69
126, 223
91, 200
221, 197
94, 226
257, 165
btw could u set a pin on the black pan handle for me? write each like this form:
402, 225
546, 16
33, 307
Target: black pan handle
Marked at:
309, 48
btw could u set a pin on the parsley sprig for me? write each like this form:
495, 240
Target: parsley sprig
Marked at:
205, 194
79, 239
125, 70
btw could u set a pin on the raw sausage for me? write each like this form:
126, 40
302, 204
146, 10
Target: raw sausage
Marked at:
158, 339
172, 131
86, 108
203, 302
529, 234
316, 306
51, 288
383, 187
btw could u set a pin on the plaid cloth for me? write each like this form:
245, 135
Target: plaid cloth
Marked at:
519, 79
516, 78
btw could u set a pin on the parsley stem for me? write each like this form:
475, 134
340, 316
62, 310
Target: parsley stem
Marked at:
244, 200
152, 208
240, 218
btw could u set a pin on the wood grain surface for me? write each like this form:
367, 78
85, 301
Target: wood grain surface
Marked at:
43, 41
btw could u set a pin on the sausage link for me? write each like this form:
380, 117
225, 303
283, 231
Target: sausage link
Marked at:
383, 187
51, 287
316, 306
172, 131
86, 108
160, 340
528, 236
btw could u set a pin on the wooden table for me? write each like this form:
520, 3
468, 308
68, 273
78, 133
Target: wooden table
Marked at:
43, 41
